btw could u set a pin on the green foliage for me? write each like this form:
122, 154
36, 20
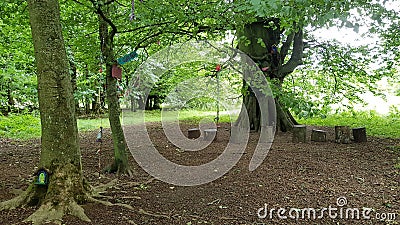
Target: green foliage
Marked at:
17, 78
20, 126
376, 125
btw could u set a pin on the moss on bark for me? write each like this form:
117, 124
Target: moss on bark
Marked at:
60, 153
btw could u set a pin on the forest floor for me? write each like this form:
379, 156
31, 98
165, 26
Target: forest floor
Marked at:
313, 175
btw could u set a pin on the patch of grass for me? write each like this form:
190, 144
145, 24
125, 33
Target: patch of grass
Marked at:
27, 126
376, 125
21, 126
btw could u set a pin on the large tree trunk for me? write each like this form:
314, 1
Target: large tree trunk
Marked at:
60, 153
263, 49
120, 164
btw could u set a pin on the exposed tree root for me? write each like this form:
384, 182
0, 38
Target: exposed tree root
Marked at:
119, 169
49, 212
103, 187
13, 203
23, 199
63, 195
141, 211
107, 203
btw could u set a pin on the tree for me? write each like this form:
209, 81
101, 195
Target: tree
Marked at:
264, 36
60, 152
17, 78
274, 38
147, 27
120, 164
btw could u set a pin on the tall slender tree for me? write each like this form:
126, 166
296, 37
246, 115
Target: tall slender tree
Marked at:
60, 153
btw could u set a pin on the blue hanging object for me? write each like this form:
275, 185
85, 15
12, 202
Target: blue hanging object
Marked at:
127, 58
274, 49
42, 177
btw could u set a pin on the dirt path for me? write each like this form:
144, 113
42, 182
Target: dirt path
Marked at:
307, 175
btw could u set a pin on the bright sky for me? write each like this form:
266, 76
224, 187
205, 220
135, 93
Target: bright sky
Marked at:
348, 36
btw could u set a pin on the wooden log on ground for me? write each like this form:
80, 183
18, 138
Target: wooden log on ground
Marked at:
360, 134
342, 134
210, 134
299, 133
318, 135
194, 133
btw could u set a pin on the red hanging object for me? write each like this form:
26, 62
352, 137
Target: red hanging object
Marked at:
264, 69
116, 72
100, 70
218, 67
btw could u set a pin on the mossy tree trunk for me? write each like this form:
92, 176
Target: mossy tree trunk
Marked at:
264, 36
60, 153
107, 33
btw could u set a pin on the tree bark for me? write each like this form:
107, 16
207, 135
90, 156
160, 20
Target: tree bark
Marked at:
120, 164
342, 134
60, 153
299, 134
266, 55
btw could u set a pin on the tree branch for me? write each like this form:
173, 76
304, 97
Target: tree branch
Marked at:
105, 18
286, 46
146, 26
296, 58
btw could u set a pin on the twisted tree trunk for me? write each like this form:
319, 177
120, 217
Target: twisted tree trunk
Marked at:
265, 36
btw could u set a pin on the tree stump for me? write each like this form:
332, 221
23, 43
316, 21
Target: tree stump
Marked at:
318, 135
299, 133
210, 134
342, 134
194, 133
360, 134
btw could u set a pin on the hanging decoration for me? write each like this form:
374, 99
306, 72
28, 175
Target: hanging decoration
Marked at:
274, 49
127, 58
218, 67
132, 16
99, 135
116, 72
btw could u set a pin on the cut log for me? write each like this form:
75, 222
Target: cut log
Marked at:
299, 133
210, 134
318, 135
360, 134
194, 133
342, 134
